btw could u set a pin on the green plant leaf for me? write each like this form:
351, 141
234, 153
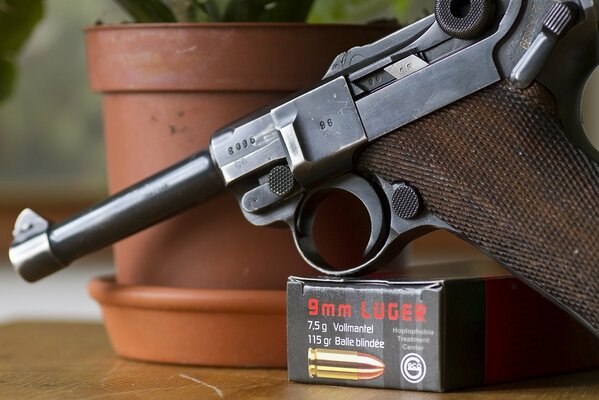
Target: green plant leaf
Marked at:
196, 10
148, 10
18, 18
7, 78
408, 11
354, 11
184, 11
213, 9
405, 11
268, 10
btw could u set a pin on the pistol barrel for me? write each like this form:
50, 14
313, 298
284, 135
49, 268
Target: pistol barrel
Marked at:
41, 248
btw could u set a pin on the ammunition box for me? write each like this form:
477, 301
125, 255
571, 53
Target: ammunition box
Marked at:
429, 334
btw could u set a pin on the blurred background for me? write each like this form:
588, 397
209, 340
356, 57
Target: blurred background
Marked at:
52, 151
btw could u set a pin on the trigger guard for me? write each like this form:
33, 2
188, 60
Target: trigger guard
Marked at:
305, 217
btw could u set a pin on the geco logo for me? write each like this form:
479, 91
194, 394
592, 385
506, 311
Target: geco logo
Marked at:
413, 368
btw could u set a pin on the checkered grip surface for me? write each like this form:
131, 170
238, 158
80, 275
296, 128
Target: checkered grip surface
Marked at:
497, 167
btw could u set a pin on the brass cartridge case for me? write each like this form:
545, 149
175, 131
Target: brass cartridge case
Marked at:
343, 364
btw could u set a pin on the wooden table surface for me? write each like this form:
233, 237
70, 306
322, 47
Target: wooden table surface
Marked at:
75, 361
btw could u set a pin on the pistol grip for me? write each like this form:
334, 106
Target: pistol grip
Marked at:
498, 168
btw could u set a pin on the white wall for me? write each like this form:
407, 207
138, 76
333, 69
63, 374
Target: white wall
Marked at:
62, 296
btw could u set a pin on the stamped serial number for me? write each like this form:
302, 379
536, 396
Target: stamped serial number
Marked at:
243, 144
328, 123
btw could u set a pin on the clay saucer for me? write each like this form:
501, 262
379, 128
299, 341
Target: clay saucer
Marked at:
241, 328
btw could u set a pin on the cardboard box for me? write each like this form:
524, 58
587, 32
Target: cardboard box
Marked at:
429, 334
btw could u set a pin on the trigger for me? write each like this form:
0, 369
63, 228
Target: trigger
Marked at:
375, 212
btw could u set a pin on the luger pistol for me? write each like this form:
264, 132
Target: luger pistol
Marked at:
467, 120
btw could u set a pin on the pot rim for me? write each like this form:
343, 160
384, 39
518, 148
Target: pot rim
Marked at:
106, 291
235, 25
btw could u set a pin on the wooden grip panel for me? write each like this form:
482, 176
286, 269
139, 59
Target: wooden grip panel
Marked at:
498, 168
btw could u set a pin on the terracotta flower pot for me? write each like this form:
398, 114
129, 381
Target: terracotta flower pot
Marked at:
166, 88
